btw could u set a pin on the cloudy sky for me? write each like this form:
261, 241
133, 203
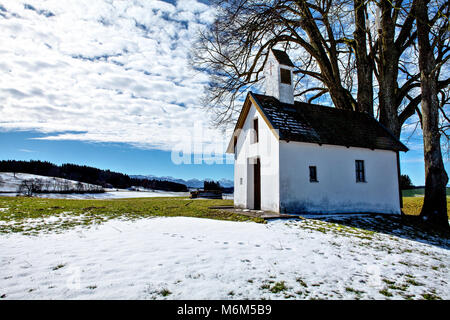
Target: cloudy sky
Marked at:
104, 72
107, 83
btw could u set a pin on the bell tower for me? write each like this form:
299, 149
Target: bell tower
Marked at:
278, 74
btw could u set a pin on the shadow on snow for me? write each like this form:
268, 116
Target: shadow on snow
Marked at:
403, 226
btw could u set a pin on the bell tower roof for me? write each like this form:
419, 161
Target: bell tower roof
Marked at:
282, 58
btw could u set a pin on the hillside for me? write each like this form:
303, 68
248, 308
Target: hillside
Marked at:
10, 182
86, 174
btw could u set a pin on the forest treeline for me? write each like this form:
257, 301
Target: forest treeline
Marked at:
104, 178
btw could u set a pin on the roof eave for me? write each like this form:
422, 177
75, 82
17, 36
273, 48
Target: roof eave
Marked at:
342, 145
230, 148
249, 100
402, 146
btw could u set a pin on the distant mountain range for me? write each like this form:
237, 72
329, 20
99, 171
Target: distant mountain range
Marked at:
191, 183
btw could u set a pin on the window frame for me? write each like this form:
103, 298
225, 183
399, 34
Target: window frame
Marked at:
360, 171
255, 130
285, 75
313, 174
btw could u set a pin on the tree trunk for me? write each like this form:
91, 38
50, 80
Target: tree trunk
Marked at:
364, 66
326, 57
434, 208
388, 70
341, 98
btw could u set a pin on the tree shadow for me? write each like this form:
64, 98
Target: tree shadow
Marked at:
403, 226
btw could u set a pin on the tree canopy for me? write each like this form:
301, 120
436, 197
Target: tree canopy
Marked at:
361, 55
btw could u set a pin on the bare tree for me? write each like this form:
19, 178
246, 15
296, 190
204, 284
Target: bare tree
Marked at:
364, 58
336, 47
46, 185
28, 187
25, 188
234, 50
434, 208
396, 60
59, 186
79, 187
38, 185
65, 186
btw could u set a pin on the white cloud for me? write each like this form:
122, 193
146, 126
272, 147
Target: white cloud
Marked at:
114, 71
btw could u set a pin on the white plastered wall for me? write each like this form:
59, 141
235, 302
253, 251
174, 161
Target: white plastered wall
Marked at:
337, 190
267, 149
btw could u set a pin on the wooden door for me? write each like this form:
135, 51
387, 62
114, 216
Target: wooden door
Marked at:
257, 184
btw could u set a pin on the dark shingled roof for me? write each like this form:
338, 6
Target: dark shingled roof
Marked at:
306, 122
282, 57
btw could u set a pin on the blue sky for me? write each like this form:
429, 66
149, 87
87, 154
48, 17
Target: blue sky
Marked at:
108, 84
118, 157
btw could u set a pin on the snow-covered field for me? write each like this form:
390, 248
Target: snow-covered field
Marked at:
191, 258
10, 184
